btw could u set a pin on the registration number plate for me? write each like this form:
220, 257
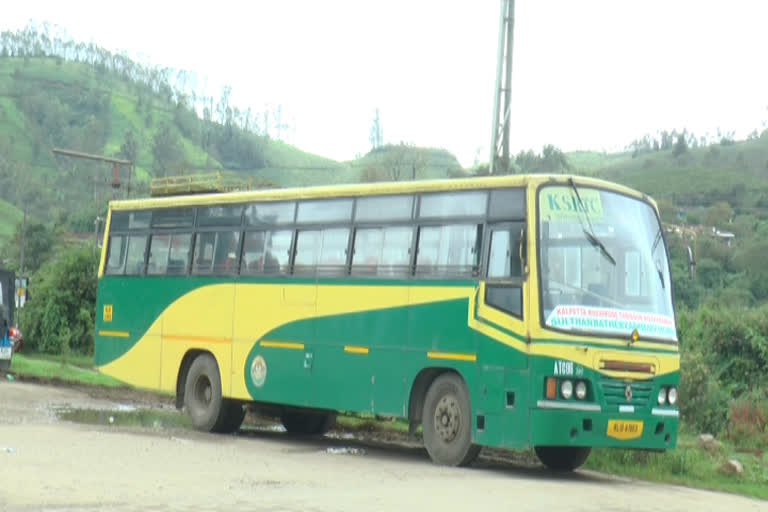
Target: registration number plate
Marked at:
624, 429
6, 352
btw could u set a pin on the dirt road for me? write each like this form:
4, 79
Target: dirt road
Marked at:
47, 464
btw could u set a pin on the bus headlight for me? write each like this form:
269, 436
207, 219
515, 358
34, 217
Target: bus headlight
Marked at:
566, 389
662, 396
581, 390
672, 396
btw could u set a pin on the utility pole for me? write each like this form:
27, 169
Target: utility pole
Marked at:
499, 163
116, 162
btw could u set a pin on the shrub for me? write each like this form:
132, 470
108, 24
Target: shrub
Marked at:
703, 402
60, 316
748, 420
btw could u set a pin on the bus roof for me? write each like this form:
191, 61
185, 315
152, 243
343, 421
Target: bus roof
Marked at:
366, 189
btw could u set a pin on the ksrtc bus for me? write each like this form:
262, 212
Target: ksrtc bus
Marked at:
515, 312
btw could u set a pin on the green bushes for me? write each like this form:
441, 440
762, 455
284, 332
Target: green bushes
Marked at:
724, 367
60, 316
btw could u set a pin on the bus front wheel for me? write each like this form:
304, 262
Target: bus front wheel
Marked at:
562, 458
447, 422
207, 409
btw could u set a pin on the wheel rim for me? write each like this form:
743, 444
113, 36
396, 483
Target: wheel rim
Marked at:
203, 392
447, 418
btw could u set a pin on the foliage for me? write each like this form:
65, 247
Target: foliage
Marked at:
748, 420
60, 318
38, 245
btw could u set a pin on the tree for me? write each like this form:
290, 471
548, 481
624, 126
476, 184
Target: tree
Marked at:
376, 135
681, 146
166, 148
129, 149
719, 214
38, 245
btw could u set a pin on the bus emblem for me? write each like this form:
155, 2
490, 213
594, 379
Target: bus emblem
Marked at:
258, 371
627, 392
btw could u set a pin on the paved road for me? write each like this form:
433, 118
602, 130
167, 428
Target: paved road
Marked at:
47, 464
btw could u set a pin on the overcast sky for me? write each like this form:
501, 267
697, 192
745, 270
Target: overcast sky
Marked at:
588, 74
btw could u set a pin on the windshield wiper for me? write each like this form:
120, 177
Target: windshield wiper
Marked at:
597, 243
590, 234
655, 261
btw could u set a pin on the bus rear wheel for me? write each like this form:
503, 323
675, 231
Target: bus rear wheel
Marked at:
562, 458
207, 409
447, 422
313, 423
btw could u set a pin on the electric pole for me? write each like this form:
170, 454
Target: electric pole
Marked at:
499, 163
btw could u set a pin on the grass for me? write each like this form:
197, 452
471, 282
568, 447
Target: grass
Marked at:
687, 465
143, 418
47, 368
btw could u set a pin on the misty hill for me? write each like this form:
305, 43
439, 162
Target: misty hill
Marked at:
58, 93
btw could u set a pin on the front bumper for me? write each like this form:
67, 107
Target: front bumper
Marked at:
572, 424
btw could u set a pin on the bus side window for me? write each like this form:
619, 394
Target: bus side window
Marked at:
203, 255
134, 261
382, 251
159, 246
118, 246
266, 252
179, 254
449, 250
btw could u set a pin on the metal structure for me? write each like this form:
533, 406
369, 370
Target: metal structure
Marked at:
499, 162
117, 162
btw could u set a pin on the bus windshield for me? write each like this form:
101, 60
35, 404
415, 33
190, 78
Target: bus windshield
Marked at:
603, 264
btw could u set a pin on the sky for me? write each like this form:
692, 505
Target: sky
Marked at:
587, 75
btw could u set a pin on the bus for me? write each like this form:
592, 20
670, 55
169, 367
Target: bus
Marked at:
515, 312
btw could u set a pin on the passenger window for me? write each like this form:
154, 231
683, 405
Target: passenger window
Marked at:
384, 208
507, 204
216, 253
158, 254
454, 204
179, 253
134, 261
449, 250
124, 221
269, 213
314, 212
118, 245
382, 251
333, 252
223, 215
321, 252
173, 218
266, 252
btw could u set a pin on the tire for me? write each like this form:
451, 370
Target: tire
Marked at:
562, 458
206, 408
308, 423
447, 422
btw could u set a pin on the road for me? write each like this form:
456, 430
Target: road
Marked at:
51, 465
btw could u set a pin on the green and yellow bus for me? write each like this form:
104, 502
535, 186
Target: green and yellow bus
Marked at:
515, 312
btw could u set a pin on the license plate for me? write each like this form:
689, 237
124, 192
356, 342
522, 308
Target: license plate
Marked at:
624, 429
6, 352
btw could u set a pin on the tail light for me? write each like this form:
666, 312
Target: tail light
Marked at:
14, 332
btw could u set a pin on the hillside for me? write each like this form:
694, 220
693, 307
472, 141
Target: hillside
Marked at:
48, 102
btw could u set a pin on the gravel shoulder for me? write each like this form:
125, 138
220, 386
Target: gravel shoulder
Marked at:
48, 464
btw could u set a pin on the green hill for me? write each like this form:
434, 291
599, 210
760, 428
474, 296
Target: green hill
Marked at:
112, 106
